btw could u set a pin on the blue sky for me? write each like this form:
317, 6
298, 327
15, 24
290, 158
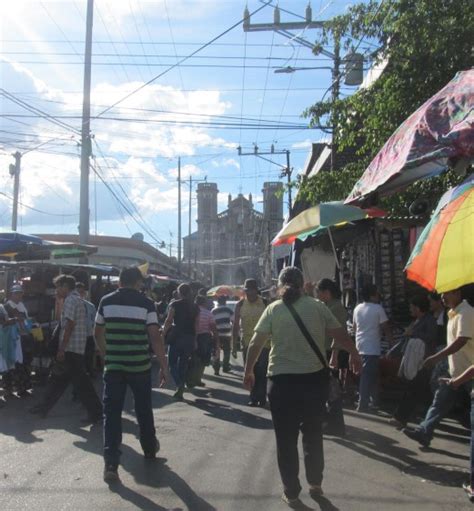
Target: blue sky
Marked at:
200, 110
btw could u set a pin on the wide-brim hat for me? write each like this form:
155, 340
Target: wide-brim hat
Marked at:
250, 284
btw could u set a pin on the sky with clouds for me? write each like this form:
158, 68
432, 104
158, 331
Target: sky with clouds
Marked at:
227, 95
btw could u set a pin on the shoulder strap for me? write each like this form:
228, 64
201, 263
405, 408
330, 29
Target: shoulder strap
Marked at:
307, 335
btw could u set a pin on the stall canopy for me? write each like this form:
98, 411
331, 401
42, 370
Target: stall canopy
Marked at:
439, 134
15, 246
322, 216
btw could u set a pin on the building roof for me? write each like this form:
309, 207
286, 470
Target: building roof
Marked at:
112, 241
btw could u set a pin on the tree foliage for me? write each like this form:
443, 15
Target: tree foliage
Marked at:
426, 43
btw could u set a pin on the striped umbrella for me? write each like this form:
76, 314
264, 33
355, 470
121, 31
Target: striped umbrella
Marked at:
443, 258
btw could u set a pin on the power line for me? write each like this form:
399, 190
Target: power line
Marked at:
37, 111
39, 210
181, 61
202, 124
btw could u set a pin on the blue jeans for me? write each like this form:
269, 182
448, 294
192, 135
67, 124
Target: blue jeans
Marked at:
368, 386
179, 354
443, 401
472, 440
115, 388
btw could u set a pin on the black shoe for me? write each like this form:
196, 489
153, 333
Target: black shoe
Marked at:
418, 436
253, 403
227, 370
111, 474
216, 372
200, 384
262, 404
151, 455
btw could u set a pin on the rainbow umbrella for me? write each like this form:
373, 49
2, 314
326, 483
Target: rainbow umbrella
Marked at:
443, 257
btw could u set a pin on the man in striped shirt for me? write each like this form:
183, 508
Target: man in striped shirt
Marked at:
126, 324
223, 316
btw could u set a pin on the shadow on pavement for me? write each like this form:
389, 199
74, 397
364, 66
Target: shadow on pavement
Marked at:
229, 414
152, 473
385, 450
325, 504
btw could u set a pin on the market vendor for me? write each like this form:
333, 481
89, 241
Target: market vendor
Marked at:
15, 308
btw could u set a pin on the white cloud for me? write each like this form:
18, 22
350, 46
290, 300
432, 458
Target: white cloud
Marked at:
305, 144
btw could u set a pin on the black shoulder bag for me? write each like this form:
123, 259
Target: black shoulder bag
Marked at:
334, 385
308, 336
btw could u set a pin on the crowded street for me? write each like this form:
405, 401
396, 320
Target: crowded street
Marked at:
237, 255
218, 454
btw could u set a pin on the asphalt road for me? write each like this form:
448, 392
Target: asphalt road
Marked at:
218, 454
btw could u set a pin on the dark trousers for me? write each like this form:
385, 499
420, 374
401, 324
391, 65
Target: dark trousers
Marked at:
225, 343
89, 355
180, 352
258, 394
298, 404
115, 388
73, 371
413, 396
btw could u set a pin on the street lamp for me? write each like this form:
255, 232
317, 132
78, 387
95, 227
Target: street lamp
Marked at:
291, 69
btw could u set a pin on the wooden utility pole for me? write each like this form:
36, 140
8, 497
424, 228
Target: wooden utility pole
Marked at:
86, 147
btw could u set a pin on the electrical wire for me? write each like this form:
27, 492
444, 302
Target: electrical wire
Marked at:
39, 210
181, 61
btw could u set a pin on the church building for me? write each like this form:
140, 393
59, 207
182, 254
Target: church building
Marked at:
234, 245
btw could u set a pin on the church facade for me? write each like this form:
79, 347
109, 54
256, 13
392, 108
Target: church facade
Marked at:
233, 245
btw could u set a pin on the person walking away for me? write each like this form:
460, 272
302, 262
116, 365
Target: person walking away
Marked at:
247, 313
223, 316
69, 367
207, 340
370, 321
460, 354
22, 372
180, 333
90, 352
298, 378
440, 313
126, 325
329, 294
423, 330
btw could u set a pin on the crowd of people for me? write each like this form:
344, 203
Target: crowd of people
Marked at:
302, 352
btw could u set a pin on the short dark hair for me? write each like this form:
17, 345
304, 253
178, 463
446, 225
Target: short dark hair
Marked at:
130, 276
329, 285
435, 296
368, 291
80, 285
185, 291
222, 300
201, 300
420, 301
65, 280
202, 291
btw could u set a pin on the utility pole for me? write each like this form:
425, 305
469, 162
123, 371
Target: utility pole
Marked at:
286, 170
179, 217
86, 146
15, 172
189, 223
283, 28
